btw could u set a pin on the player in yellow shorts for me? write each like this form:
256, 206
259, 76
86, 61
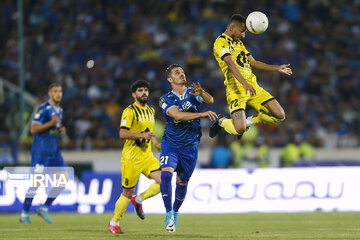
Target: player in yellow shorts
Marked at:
236, 63
137, 124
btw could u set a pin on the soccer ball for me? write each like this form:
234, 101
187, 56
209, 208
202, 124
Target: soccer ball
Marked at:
257, 22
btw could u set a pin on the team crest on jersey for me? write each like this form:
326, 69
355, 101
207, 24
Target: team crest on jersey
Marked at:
186, 105
163, 106
151, 118
224, 50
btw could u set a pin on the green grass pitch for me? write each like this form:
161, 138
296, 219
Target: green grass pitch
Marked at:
317, 225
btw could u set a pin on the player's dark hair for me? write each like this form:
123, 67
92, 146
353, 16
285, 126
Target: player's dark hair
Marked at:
139, 84
55, 84
237, 18
169, 68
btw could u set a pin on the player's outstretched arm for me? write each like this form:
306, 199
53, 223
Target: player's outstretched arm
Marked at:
237, 74
38, 128
126, 134
285, 69
199, 91
187, 116
156, 144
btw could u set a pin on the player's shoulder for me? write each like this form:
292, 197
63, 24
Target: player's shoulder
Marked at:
166, 99
220, 39
167, 96
129, 108
44, 106
241, 43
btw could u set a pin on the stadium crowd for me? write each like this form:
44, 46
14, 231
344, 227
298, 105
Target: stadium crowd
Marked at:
130, 40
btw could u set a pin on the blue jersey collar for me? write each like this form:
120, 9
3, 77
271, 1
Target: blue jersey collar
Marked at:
57, 109
181, 97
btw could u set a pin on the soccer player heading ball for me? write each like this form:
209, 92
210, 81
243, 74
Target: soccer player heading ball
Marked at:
242, 88
179, 145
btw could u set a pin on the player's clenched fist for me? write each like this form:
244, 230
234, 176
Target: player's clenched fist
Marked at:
62, 130
148, 135
55, 119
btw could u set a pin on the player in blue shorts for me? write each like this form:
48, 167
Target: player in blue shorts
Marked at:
179, 145
46, 127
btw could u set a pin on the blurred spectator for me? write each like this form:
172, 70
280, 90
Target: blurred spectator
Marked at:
8, 151
129, 40
289, 155
307, 151
220, 157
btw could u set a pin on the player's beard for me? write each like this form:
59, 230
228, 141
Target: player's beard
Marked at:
142, 100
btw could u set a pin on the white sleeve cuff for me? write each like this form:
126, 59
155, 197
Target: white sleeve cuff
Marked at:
168, 109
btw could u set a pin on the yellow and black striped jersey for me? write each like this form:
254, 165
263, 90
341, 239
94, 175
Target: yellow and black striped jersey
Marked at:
225, 45
137, 119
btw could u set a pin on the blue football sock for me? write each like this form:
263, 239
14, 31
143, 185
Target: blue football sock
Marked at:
29, 196
27, 204
180, 194
54, 192
166, 190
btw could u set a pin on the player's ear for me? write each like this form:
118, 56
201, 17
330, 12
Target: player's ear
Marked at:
231, 27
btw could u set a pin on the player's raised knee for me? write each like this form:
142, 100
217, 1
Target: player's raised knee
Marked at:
281, 116
240, 129
128, 192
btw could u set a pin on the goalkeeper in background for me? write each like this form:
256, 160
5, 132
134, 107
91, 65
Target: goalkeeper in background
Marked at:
137, 123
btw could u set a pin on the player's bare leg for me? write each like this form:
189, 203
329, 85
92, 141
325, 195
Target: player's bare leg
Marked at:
275, 109
237, 125
270, 113
239, 121
153, 190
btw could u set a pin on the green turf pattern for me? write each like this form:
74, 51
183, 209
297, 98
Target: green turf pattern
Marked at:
317, 225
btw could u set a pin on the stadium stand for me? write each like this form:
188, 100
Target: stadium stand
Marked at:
130, 40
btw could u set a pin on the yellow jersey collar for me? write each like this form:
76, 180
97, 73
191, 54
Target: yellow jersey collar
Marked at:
228, 38
135, 103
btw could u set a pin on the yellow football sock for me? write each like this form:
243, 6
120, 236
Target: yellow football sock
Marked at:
264, 118
120, 207
228, 126
151, 191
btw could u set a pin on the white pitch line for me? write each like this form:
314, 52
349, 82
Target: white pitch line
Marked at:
12, 230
